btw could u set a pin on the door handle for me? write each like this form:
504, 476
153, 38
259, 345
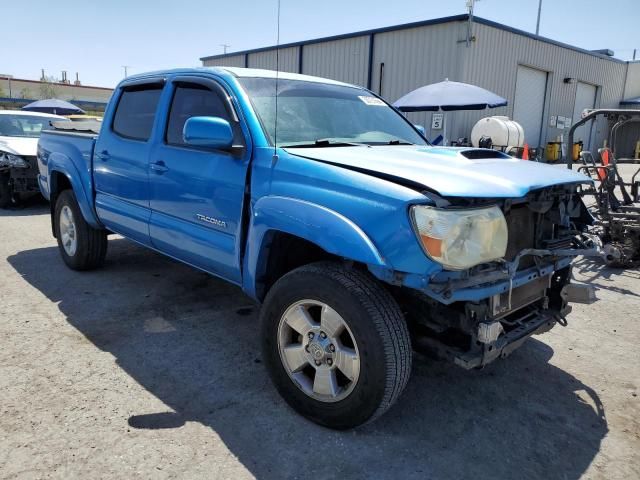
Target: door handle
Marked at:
159, 167
103, 155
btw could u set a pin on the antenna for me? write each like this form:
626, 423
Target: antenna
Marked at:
275, 129
470, 6
538, 22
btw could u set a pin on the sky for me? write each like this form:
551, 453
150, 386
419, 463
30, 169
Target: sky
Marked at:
98, 37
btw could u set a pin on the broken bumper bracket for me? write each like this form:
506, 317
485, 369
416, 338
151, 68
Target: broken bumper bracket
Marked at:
501, 348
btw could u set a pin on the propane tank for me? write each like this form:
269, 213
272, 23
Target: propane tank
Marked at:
503, 132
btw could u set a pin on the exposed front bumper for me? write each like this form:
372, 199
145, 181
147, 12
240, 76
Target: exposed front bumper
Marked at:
539, 321
508, 342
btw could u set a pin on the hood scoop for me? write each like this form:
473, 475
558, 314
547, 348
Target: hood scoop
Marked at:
482, 154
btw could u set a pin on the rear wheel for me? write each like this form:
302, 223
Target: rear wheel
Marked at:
82, 247
335, 344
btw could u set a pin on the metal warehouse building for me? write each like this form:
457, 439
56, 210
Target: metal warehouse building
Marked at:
546, 83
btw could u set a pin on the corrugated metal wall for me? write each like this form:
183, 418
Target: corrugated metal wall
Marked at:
267, 59
344, 60
416, 57
489, 64
629, 135
632, 86
228, 61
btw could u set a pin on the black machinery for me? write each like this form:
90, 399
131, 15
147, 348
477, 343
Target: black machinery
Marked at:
616, 208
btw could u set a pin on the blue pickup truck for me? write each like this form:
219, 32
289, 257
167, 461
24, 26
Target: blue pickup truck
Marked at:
360, 240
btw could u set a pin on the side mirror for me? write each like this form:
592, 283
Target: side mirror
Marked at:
211, 132
421, 129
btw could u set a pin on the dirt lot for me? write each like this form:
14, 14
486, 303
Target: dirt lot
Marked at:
148, 368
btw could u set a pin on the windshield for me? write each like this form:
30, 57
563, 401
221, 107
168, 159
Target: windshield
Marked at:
320, 114
24, 125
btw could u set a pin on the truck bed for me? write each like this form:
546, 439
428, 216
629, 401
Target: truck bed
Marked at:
72, 144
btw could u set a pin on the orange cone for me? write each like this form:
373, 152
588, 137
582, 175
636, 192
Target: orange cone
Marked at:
525, 152
602, 172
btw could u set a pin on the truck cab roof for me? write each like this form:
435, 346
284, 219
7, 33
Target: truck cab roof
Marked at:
239, 73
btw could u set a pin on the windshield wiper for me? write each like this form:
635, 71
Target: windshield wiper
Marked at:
321, 143
398, 142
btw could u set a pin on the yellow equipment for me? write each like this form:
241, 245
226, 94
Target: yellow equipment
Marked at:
552, 152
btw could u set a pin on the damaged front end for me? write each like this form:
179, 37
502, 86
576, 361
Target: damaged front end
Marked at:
20, 172
475, 315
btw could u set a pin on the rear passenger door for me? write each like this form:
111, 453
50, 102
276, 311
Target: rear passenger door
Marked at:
121, 161
197, 193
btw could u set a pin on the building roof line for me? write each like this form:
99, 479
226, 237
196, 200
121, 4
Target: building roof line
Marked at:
557, 43
342, 36
14, 79
405, 26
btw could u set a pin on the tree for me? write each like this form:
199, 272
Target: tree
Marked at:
25, 93
2, 94
48, 87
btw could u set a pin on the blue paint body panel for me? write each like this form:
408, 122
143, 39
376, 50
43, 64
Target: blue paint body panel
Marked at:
217, 210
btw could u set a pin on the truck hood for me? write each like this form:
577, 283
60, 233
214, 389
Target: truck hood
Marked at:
23, 146
450, 172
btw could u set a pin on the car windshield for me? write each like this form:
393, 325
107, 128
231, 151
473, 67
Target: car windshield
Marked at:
321, 114
24, 125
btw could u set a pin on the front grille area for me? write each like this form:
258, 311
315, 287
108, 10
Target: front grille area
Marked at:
32, 160
528, 229
26, 179
521, 226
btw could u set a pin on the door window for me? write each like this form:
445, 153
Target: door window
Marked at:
136, 112
193, 101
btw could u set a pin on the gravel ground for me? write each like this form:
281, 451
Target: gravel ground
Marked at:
150, 369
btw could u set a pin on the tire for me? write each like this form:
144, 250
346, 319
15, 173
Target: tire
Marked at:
374, 327
5, 191
90, 244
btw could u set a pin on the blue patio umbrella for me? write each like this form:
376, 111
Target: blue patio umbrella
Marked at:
448, 96
631, 101
53, 105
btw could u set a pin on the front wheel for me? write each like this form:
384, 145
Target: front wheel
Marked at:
335, 344
82, 247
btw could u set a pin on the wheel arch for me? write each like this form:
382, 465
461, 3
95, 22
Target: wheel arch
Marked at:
61, 179
285, 225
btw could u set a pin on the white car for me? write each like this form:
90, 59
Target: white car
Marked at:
19, 133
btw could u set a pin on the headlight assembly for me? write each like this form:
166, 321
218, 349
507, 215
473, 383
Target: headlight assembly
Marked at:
13, 161
460, 239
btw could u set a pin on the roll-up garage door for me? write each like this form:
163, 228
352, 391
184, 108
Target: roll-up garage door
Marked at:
585, 98
528, 107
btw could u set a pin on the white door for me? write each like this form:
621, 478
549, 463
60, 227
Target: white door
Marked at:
585, 98
528, 107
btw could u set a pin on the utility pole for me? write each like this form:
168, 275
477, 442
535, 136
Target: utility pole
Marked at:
125, 67
9, 77
538, 22
225, 46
